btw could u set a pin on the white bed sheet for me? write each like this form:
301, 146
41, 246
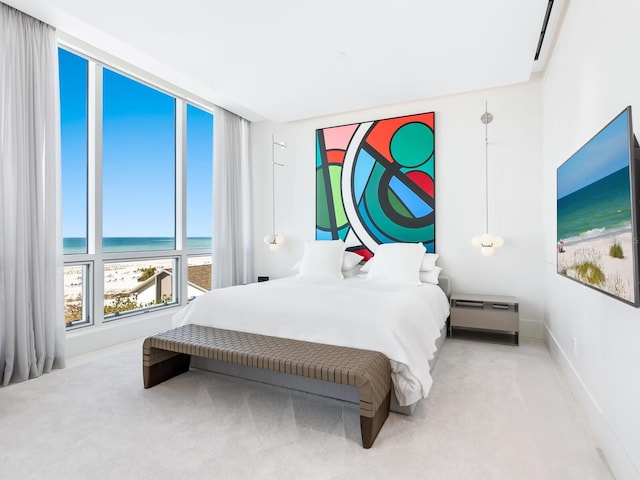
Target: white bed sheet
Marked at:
401, 321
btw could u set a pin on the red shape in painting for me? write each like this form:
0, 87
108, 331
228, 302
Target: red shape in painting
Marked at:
380, 135
422, 180
335, 156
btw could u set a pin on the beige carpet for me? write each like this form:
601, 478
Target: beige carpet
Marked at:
494, 412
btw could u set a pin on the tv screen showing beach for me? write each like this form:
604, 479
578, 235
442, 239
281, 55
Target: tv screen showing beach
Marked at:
595, 238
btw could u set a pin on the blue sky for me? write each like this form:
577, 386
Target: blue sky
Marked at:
73, 113
199, 172
605, 153
138, 157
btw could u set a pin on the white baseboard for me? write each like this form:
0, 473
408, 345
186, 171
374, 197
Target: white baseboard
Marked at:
620, 462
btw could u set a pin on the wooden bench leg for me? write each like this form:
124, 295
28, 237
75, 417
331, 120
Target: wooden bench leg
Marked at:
165, 369
370, 426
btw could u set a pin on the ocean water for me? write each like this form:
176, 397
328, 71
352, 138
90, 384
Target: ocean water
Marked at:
73, 245
601, 208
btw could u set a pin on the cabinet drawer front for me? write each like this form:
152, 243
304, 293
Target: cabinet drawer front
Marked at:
494, 319
481, 304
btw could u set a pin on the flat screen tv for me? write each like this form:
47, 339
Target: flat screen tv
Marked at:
597, 236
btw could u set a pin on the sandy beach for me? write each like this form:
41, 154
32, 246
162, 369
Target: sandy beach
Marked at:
618, 272
119, 277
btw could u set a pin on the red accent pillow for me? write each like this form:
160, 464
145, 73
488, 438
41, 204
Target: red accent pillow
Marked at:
364, 252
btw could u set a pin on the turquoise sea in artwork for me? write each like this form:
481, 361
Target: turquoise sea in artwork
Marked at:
75, 245
601, 208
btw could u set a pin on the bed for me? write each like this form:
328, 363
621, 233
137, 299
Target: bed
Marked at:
373, 310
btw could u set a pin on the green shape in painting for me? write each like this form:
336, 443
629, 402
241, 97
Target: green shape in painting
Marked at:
412, 144
335, 172
397, 204
322, 207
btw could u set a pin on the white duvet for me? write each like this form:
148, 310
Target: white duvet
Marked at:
401, 321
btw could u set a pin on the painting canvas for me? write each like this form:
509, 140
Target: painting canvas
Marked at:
375, 182
596, 239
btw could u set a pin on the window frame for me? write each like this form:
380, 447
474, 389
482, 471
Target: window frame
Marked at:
95, 257
87, 300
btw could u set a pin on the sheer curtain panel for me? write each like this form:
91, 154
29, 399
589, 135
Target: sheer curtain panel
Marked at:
31, 295
232, 239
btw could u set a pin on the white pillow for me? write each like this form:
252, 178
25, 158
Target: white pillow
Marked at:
429, 261
353, 272
397, 263
322, 260
431, 276
350, 260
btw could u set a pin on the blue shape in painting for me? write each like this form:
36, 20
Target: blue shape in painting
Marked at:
323, 235
361, 173
413, 202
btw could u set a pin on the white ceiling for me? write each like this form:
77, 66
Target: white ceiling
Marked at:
285, 60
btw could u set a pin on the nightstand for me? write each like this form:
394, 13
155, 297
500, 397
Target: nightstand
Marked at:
485, 317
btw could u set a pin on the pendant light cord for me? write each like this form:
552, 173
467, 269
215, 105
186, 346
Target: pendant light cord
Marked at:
282, 145
486, 165
273, 188
486, 118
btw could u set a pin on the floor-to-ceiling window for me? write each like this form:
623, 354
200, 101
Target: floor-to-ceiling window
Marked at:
199, 209
137, 194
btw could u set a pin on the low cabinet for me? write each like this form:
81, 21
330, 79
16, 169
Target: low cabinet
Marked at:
485, 317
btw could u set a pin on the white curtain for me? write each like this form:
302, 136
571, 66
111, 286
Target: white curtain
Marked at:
31, 295
232, 234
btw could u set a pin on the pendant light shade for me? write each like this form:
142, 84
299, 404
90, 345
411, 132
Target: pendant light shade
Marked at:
274, 241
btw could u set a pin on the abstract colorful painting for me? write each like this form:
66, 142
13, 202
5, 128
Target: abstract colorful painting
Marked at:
375, 182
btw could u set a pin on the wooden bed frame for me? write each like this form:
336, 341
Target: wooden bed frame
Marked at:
169, 354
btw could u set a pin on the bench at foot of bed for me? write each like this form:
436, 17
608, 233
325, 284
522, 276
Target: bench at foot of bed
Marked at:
168, 354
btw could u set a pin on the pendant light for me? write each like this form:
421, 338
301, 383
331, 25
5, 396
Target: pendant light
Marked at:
274, 240
487, 242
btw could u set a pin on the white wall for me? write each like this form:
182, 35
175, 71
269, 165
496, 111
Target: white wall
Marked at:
592, 76
90, 339
515, 171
